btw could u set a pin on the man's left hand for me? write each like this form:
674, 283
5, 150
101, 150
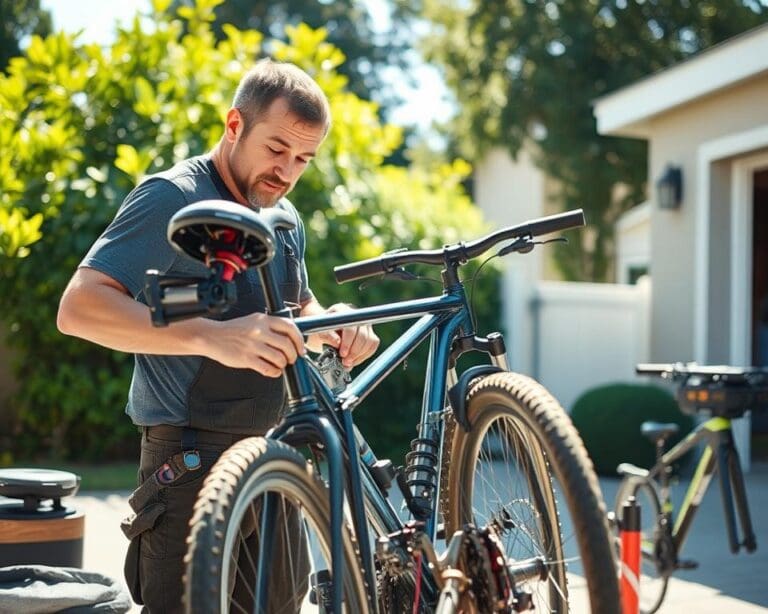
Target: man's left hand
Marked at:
356, 344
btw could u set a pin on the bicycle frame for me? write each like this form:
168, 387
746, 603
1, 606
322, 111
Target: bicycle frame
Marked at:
719, 454
311, 419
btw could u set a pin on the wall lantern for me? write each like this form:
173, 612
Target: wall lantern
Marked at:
669, 188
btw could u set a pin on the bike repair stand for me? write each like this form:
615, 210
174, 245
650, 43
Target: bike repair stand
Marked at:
630, 556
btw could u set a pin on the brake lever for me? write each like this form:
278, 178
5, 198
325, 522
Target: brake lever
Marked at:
524, 245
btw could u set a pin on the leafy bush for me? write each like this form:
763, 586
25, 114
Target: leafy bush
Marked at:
81, 124
608, 419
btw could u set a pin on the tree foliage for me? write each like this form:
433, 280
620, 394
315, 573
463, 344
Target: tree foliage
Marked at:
19, 19
83, 123
349, 26
526, 74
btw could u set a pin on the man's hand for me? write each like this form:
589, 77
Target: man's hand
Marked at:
266, 344
355, 343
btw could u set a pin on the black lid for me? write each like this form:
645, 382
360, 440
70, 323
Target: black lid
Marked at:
40, 483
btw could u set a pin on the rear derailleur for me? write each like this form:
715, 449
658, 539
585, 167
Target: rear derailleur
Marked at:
473, 573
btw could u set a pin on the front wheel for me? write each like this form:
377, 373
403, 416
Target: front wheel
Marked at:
653, 581
260, 537
523, 470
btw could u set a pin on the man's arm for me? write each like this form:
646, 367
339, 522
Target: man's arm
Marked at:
98, 308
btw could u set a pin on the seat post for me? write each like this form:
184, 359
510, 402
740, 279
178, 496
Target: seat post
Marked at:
297, 379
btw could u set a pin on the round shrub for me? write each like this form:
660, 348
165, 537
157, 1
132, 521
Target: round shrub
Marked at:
608, 419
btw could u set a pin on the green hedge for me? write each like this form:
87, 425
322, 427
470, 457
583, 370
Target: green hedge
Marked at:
608, 419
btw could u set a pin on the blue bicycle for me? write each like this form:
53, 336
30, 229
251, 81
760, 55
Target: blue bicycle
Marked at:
500, 507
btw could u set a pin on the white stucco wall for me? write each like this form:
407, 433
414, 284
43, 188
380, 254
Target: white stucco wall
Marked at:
510, 192
633, 241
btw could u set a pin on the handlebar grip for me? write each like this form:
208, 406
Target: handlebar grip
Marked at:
558, 222
359, 270
653, 368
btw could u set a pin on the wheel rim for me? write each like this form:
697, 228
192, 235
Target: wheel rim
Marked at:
511, 490
307, 534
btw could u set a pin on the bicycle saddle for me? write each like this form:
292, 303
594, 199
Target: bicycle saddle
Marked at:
658, 430
200, 229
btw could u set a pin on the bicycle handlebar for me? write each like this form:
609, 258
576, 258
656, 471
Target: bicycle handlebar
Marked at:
679, 370
459, 252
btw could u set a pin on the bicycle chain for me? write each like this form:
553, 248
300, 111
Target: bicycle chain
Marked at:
395, 594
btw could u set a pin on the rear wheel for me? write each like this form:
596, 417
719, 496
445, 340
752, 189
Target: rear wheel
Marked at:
653, 583
224, 567
523, 469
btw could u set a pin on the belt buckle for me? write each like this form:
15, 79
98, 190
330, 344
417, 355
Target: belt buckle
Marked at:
192, 459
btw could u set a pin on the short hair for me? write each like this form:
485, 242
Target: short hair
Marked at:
269, 80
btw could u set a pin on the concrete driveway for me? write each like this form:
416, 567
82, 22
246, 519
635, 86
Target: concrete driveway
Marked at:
737, 584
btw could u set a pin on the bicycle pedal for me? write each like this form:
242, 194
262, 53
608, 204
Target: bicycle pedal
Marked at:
686, 564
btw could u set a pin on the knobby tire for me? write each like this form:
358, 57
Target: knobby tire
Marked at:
528, 427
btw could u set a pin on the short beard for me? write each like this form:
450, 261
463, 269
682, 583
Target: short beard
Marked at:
256, 199
259, 201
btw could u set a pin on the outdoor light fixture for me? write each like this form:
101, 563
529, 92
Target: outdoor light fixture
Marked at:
669, 188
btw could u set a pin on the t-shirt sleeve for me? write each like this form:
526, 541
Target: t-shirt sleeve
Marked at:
136, 239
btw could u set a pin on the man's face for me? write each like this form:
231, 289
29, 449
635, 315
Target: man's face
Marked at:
267, 162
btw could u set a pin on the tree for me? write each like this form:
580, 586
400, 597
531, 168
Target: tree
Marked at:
349, 27
82, 124
526, 73
20, 18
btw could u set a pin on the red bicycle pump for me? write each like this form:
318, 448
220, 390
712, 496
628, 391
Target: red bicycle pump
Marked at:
630, 556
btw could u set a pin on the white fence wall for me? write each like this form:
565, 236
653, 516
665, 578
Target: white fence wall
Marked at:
583, 335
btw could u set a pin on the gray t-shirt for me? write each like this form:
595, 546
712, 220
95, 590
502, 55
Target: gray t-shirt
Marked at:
136, 241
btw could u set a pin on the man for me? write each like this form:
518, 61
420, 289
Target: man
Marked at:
203, 384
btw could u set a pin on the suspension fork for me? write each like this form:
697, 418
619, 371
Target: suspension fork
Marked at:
497, 350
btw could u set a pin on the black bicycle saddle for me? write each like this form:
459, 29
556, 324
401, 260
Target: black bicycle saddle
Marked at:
196, 230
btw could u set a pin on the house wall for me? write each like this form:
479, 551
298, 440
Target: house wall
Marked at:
510, 192
633, 247
677, 137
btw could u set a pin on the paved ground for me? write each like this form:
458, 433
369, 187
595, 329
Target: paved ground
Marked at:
737, 584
